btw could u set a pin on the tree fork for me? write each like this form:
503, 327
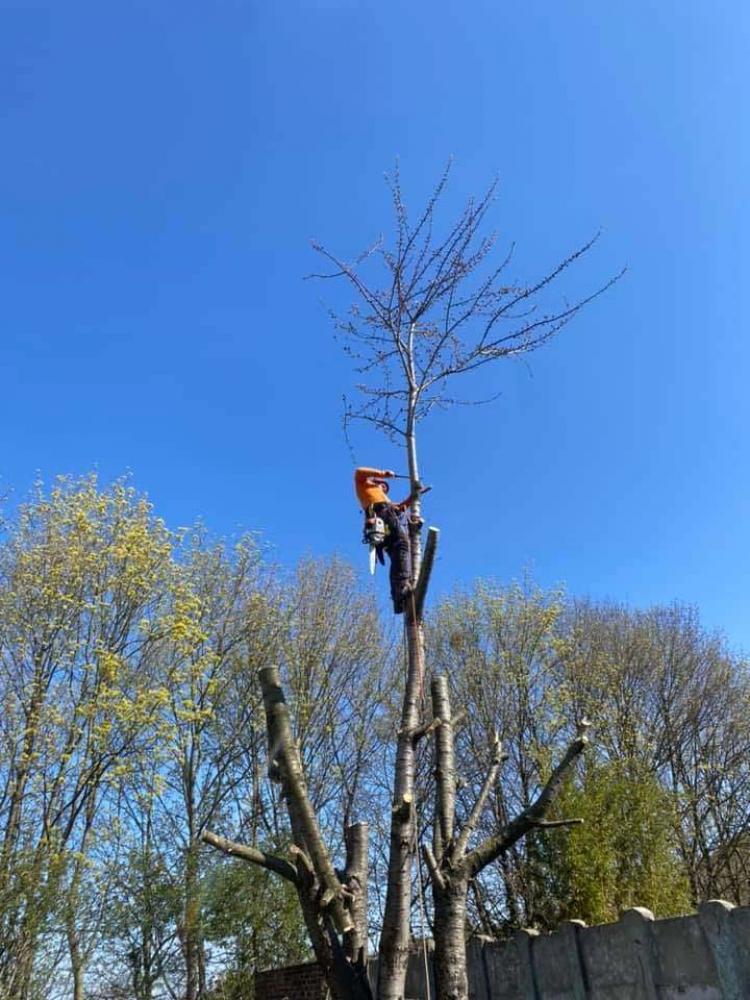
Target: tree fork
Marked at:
331, 906
450, 864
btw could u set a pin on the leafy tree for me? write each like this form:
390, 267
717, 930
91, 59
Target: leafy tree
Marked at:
139, 927
80, 571
670, 709
669, 692
256, 919
625, 852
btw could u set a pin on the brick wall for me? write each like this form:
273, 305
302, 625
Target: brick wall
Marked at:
295, 982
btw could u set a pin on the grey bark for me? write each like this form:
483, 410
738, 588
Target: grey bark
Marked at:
285, 764
395, 937
332, 909
76, 963
451, 864
355, 880
191, 923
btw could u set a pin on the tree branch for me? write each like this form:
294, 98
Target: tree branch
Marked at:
432, 866
533, 815
235, 850
283, 750
425, 730
551, 824
356, 839
445, 766
498, 758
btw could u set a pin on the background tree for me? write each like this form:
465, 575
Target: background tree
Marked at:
256, 920
660, 689
98, 846
625, 852
76, 578
672, 694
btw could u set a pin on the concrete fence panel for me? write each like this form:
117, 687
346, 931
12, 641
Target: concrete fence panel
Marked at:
696, 957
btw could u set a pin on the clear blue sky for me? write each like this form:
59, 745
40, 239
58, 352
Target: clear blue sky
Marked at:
165, 164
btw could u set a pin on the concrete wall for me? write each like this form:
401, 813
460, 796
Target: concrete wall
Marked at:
701, 957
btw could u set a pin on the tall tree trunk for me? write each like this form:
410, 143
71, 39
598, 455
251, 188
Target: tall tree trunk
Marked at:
78, 956
191, 923
451, 979
395, 937
77, 965
21, 775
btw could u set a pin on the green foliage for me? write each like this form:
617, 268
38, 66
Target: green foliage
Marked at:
256, 918
665, 788
625, 852
130, 721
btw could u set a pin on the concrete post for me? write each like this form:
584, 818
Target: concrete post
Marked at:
715, 920
526, 977
578, 984
637, 925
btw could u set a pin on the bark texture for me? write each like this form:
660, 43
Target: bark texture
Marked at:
452, 865
334, 908
396, 933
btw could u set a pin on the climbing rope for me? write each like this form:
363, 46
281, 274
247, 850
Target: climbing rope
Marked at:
422, 918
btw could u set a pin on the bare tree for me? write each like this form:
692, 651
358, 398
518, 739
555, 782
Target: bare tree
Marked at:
428, 308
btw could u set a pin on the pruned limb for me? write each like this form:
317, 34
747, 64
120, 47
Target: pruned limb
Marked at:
445, 766
251, 854
402, 808
283, 749
531, 817
420, 591
498, 757
356, 838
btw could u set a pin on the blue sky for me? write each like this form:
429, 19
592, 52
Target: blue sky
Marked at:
165, 165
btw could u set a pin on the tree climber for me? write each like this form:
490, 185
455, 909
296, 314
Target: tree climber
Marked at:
372, 492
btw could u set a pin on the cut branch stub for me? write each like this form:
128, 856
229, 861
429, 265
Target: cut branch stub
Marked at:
445, 767
420, 591
355, 876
